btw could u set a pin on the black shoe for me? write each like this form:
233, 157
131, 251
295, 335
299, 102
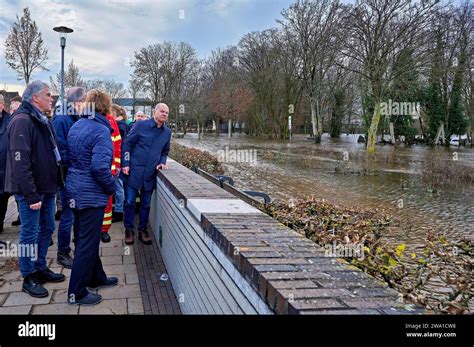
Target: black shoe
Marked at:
51, 243
57, 216
48, 276
65, 259
89, 300
105, 237
17, 222
109, 282
117, 217
32, 287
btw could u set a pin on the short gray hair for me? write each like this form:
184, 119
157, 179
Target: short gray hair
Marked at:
32, 89
158, 105
76, 94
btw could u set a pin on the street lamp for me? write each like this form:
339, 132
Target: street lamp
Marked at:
63, 31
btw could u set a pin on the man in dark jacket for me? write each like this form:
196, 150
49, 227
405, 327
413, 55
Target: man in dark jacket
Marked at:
144, 152
4, 120
62, 123
32, 173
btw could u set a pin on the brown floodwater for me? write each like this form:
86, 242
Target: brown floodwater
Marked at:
299, 169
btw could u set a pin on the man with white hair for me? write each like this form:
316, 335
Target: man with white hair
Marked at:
32, 173
144, 152
139, 116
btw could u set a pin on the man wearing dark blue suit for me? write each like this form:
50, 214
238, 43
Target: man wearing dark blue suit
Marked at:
144, 152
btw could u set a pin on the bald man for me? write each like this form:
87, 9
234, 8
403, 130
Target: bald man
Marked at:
144, 152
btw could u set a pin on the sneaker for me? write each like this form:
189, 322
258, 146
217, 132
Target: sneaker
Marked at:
105, 237
47, 275
65, 259
109, 282
32, 287
144, 237
129, 234
89, 300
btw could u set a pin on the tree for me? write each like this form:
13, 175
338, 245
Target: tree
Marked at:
378, 32
134, 88
24, 50
271, 77
337, 113
109, 86
72, 78
312, 29
228, 97
162, 67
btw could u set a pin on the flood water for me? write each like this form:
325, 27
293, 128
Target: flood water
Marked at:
300, 168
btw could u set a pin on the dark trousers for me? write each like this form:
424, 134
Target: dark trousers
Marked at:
129, 208
87, 270
3, 208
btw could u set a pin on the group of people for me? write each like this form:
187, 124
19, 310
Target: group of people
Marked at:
88, 154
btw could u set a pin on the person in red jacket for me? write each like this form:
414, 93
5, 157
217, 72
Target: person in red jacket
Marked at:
117, 143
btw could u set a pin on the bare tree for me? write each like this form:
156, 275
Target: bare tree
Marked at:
162, 67
134, 88
72, 78
313, 32
379, 31
24, 50
114, 89
228, 97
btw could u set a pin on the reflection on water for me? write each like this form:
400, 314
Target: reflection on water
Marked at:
300, 169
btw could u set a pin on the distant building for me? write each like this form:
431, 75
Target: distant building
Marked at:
133, 105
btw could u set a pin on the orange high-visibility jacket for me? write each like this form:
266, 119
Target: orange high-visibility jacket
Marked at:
117, 142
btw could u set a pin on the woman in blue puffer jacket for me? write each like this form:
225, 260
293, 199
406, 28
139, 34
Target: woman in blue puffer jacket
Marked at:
89, 184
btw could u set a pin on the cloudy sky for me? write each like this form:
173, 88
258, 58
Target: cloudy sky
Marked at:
107, 32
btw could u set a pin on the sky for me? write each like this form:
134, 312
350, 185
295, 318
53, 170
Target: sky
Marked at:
107, 32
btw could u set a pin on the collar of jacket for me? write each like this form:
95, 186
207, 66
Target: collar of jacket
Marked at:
99, 118
28, 108
152, 123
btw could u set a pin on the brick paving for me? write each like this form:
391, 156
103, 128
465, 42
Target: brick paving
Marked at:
137, 267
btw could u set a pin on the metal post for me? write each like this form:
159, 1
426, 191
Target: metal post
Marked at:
63, 45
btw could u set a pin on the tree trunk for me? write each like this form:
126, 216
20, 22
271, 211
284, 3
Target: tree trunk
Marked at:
199, 134
439, 134
315, 123
372, 133
392, 134
229, 130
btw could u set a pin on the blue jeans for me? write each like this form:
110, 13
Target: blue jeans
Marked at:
129, 210
37, 227
65, 224
119, 196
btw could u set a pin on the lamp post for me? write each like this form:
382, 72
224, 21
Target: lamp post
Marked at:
63, 31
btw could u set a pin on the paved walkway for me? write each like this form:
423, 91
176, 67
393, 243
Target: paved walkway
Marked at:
138, 268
